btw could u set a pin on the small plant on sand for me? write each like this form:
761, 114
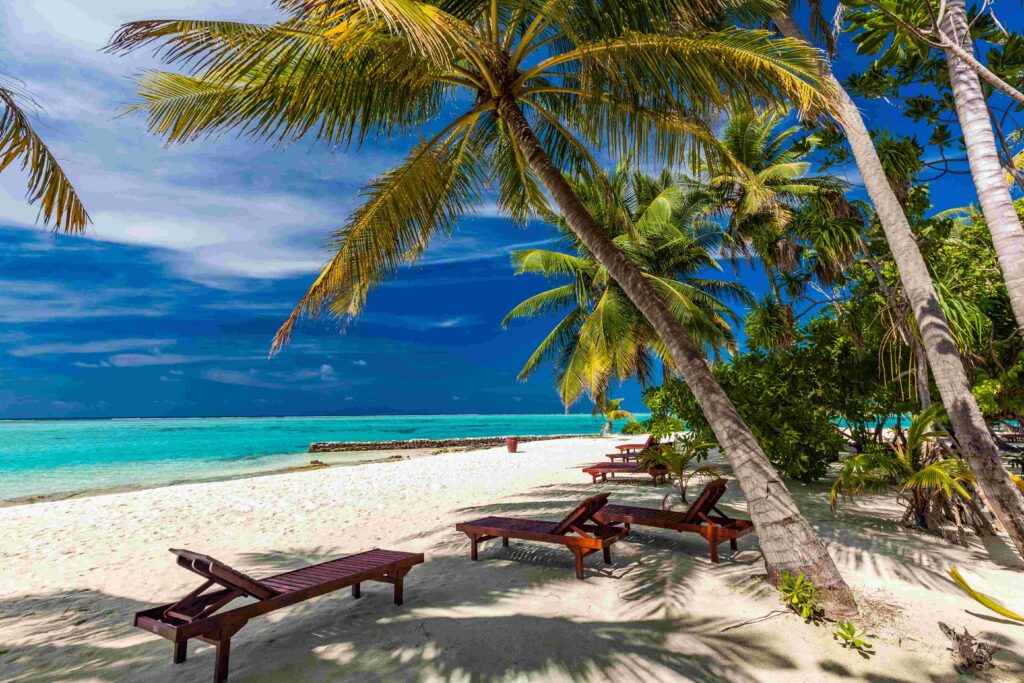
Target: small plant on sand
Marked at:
852, 638
688, 448
800, 595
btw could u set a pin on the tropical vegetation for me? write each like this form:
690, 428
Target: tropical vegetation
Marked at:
525, 91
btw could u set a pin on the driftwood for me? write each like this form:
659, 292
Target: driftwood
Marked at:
969, 653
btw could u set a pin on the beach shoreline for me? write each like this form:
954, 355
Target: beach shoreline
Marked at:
74, 572
389, 451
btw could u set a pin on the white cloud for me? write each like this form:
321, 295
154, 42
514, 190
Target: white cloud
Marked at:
140, 360
103, 346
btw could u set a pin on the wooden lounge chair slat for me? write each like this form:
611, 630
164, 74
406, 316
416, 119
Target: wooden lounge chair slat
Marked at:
198, 615
603, 469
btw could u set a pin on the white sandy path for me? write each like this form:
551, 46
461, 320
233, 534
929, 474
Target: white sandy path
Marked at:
73, 572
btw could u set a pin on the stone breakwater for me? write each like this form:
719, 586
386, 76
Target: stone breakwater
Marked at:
464, 442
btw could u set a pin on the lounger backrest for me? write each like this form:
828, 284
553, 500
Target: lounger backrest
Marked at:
222, 574
708, 498
582, 512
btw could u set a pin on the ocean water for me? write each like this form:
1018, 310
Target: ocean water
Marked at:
66, 456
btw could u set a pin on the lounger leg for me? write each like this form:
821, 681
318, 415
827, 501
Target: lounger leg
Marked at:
713, 543
732, 544
472, 548
504, 541
220, 668
399, 586
180, 651
356, 592
579, 562
607, 555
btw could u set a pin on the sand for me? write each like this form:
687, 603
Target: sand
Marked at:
73, 572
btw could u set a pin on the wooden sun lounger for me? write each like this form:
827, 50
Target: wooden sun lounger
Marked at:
698, 519
633, 448
578, 531
196, 615
602, 470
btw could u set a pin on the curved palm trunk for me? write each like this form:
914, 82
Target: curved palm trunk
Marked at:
983, 157
787, 539
977, 447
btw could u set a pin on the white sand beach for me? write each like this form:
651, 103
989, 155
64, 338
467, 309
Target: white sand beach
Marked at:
72, 573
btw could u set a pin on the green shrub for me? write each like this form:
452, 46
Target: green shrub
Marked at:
634, 427
800, 595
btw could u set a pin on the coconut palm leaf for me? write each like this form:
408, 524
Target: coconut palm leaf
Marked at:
48, 185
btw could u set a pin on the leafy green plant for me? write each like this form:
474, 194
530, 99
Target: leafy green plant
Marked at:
688, 448
800, 595
925, 477
981, 598
852, 638
634, 427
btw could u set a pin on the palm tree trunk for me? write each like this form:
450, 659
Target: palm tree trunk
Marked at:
787, 540
983, 157
978, 449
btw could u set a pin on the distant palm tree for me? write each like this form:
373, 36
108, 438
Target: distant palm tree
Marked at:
611, 410
59, 203
603, 336
511, 94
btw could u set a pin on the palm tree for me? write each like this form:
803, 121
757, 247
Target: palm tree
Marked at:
603, 336
983, 158
977, 447
928, 480
526, 90
777, 213
917, 28
47, 184
611, 410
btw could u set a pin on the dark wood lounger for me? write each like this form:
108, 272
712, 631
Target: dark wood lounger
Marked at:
196, 615
578, 531
698, 519
602, 470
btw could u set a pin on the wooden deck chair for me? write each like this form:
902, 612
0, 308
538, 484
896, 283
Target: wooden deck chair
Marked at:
697, 519
633, 448
578, 531
197, 615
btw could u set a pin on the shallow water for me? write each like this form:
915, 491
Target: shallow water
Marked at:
50, 457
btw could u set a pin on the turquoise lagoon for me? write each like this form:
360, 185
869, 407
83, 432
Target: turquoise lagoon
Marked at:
53, 457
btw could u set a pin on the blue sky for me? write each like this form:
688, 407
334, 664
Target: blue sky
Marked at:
197, 253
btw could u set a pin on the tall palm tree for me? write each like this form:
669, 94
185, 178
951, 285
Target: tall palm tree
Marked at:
603, 336
526, 89
905, 33
48, 185
983, 158
976, 444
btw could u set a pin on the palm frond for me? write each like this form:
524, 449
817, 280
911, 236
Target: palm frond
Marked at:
59, 203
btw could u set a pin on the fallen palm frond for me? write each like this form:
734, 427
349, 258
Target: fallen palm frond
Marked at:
985, 600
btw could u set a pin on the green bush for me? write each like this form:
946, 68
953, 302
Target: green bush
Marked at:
634, 427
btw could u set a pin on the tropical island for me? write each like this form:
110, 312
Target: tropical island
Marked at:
819, 317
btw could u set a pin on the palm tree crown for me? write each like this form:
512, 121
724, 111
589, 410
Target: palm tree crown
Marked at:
626, 77
659, 226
